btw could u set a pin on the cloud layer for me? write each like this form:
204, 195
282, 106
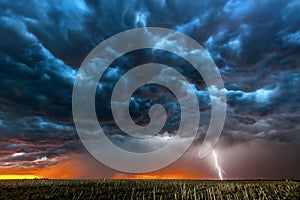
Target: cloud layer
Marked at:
256, 46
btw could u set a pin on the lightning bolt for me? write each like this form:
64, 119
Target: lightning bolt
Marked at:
217, 166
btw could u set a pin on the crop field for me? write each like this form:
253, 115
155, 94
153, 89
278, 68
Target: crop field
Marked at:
148, 189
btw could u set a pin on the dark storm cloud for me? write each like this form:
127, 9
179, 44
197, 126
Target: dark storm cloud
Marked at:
36, 142
30, 73
35, 95
255, 45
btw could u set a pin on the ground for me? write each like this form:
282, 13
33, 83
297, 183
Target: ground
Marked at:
148, 189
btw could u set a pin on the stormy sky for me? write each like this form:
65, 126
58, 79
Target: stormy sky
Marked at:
255, 45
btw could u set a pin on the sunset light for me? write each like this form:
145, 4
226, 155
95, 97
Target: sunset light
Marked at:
14, 176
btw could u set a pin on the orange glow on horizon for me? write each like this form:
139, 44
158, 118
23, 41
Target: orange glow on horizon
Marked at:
62, 171
74, 171
159, 175
16, 176
149, 177
79, 169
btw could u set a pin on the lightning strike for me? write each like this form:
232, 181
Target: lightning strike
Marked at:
217, 165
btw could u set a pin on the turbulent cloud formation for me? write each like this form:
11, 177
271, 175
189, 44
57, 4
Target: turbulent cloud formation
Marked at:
256, 46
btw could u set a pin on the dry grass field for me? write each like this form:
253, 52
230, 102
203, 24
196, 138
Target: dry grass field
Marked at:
148, 189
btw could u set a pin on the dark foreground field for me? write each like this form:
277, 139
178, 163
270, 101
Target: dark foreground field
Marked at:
148, 189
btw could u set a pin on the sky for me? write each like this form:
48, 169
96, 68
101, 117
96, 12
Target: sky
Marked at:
255, 45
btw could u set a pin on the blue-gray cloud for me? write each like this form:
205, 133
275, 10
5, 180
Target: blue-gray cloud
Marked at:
255, 45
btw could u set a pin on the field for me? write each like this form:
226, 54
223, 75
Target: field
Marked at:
148, 189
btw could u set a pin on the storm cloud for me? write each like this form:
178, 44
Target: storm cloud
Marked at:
256, 46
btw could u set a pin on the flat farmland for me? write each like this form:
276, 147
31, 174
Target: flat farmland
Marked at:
148, 189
